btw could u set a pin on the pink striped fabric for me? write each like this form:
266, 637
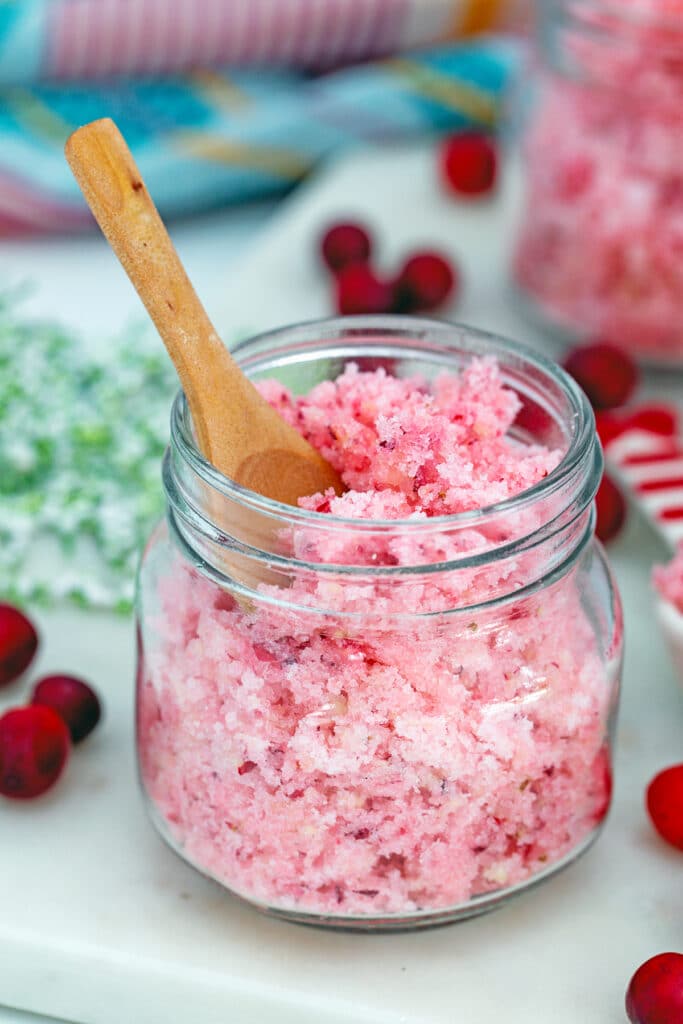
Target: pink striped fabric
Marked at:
114, 37
651, 468
31, 212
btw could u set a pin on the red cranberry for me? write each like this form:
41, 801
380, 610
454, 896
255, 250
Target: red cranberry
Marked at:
18, 643
665, 804
469, 163
425, 281
655, 992
607, 375
611, 510
246, 767
75, 702
345, 244
34, 746
359, 290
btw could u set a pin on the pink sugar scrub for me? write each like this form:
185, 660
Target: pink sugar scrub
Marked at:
601, 243
323, 762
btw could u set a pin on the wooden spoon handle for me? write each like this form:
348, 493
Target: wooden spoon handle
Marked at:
115, 192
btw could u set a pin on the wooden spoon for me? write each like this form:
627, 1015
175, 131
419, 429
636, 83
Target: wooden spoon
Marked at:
237, 430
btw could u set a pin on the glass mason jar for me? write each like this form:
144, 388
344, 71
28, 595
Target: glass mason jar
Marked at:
600, 247
380, 724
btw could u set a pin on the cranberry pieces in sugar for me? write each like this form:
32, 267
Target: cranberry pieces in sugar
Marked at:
655, 992
360, 290
345, 244
606, 373
664, 802
424, 283
469, 164
611, 510
18, 643
74, 701
34, 747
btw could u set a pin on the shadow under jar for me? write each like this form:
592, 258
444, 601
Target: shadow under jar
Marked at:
600, 249
380, 724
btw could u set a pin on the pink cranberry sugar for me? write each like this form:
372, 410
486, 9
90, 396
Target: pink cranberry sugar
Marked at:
331, 748
601, 244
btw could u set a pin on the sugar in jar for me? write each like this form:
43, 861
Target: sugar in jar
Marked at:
393, 707
600, 247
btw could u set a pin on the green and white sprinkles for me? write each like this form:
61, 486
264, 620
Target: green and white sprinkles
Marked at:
81, 438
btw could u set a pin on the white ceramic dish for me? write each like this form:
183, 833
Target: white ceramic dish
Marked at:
671, 622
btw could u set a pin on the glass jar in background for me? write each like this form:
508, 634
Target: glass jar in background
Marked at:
380, 724
600, 249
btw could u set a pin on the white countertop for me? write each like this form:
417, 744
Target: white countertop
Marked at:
561, 954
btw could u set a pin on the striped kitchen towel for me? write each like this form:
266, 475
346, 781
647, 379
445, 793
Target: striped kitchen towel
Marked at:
213, 137
650, 466
76, 39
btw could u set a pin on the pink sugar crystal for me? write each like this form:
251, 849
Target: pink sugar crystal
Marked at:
668, 580
325, 762
601, 247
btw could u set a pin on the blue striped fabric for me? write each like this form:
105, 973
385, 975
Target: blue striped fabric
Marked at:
214, 138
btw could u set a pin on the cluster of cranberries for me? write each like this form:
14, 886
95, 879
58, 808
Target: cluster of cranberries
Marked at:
35, 740
424, 282
427, 279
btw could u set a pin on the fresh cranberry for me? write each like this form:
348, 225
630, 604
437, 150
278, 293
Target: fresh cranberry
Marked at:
74, 701
611, 510
34, 746
18, 643
606, 373
425, 281
360, 290
469, 163
344, 244
665, 804
655, 992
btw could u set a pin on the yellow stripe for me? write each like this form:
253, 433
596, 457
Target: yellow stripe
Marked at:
37, 116
285, 163
220, 91
465, 99
477, 16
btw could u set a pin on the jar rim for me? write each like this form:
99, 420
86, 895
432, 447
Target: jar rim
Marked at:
404, 332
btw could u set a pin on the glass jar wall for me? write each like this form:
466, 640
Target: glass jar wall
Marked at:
380, 724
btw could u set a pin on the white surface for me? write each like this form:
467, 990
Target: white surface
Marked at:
101, 924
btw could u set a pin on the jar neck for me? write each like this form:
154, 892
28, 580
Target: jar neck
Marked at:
458, 561
624, 44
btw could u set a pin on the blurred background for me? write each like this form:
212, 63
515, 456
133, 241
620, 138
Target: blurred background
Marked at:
510, 166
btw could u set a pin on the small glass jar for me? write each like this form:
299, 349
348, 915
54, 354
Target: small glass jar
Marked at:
600, 248
380, 724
